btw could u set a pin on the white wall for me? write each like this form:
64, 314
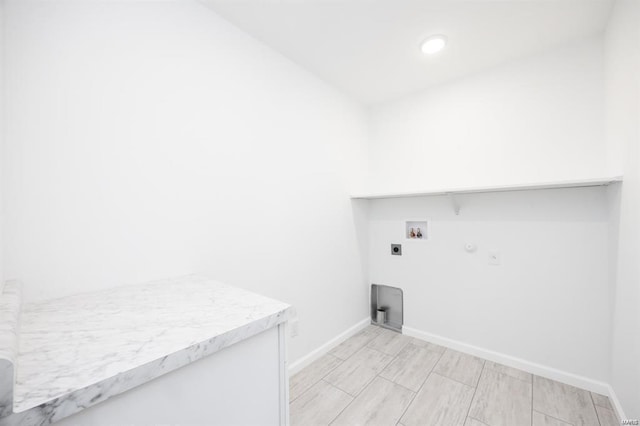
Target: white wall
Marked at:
1, 138
622, 74
152, 139
545, 303
537, 119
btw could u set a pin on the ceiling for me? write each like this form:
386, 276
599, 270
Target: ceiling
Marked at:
370, 49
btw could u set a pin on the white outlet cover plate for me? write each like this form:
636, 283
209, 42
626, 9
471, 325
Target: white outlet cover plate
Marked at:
295, 328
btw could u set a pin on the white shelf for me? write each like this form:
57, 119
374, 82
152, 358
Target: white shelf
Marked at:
503, 188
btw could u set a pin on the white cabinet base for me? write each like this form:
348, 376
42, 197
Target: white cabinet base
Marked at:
244, 384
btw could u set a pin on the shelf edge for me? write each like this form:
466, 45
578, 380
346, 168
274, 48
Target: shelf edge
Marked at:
581, 183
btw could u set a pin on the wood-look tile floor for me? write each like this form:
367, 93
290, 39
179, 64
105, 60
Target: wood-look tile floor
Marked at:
379, 378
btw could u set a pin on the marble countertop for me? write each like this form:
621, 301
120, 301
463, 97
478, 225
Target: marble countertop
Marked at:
77, 351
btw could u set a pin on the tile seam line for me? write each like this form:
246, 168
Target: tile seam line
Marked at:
479, 421
532, 387
421, 386
397, 384
365, 344
353, 398
549, 415
457, 381
345, 407
506, 374
368, 383
593, 404
532, 399
475, 391
318, 381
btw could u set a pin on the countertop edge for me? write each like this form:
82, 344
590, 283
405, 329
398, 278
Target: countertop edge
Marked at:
80, 399
10, 306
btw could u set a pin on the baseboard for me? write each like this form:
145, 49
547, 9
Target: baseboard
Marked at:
522, 364
616, 403
307, 359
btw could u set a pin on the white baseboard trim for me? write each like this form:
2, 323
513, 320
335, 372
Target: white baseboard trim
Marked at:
511, 361
307, 359
522, 364
616, 404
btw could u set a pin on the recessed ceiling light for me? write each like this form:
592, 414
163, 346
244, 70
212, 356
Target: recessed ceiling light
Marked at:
433, 44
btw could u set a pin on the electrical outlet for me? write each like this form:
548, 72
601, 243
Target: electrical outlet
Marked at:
396, 249
494, 258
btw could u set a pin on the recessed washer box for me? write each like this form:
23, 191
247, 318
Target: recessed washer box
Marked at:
390, 300
416, 230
